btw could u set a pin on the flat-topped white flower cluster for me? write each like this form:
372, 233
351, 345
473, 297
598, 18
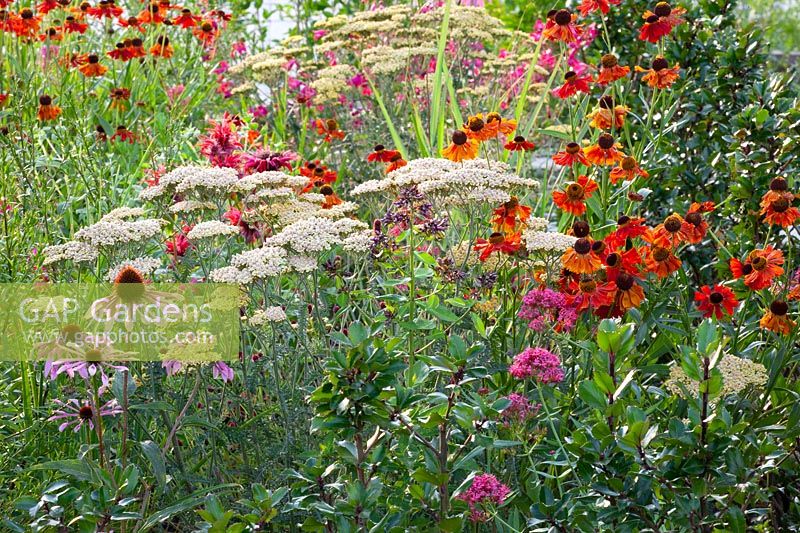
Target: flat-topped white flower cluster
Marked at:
473, 181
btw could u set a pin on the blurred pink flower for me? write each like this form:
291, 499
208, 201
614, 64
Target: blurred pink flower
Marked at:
222, 371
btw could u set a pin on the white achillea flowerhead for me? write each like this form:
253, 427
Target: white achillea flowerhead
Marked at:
270, 178
476, 180
77, 252
738, 374
265, 262
309, 236
302, 263
121, 213
231, 274
214, 179
211, 228
546, 242
338, 211
537, 224
359, 242
268, 315
112, 233
189, 206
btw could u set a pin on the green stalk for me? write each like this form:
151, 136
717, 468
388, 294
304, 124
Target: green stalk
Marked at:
392, 130
437, 116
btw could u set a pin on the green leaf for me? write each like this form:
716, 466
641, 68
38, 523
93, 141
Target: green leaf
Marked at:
706, 334
624, 384
736, 520
592, 395
186, 504
357, 333
153, 454
72, 467
443, 313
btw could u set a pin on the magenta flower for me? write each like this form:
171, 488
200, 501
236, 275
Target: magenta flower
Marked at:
539, 364
258, 111
222, 371
250, 233
262, 160
77, 415
221, 68
485, 490
239, 48
221, 142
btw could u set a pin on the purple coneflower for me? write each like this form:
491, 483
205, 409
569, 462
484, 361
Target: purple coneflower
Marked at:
84, 369
172, 367
222, 371
77, 414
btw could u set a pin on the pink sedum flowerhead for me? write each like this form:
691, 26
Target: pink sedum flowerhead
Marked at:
537, 363
485, 490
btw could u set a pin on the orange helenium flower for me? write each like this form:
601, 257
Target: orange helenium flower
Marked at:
627, 228
776, 319
590, 294
330, 197
629, 293
580, 258
627, 170
572, 153
607, 115
776, 204
381, 154
572, 199
461, 147
759, 269
47, 110
519, 143
562, 27
716, 301
589, 6
661, 261
396, 162
476, 128
605, 152
668, 234
610, 70
92, 68
329, 128
499, 243
162, 48
694, 225
573, 84
500, 125
661, 76
506, 216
